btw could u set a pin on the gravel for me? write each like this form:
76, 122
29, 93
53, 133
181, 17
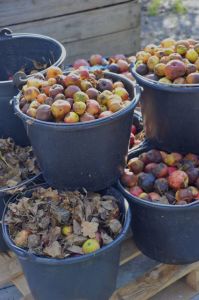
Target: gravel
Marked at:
168, 23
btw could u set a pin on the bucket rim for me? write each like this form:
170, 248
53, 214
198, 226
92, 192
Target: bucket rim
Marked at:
87, 124
24, 254
59, 61
163, 86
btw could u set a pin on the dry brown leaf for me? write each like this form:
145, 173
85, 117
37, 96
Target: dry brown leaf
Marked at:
88, 210
33, 241
16, 163
60, 214
54, 250
76, 227
89, 229
79, 212
108, 204
75, 249
106, 238
115, 226
51, 194
11, 183
44, 222
79, 240
54, 233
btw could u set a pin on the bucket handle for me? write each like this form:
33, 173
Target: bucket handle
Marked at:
144, 146
5, 33
19, 79
137, 92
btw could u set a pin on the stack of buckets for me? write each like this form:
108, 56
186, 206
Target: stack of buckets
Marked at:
16, 51
167, 233
71, 156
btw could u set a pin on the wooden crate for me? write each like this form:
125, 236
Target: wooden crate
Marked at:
83, 26
151, 284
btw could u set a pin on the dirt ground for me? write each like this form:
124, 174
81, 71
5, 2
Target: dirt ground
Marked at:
168, 23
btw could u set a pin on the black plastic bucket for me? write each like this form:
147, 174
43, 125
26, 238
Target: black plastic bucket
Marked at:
88, 277
17, 50
166, 233
89, 154
5, 194
170, 114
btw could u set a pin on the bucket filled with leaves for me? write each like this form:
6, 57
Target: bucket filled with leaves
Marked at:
68, 243
18, 168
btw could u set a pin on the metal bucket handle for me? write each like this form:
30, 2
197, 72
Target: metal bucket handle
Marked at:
5, 33
19, 79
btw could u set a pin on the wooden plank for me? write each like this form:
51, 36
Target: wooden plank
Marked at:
154, 281
20, 11
86, 25
177, 291
22, 285
10, 293
106, 45
10, 268
28, 297
192, 280
128, 251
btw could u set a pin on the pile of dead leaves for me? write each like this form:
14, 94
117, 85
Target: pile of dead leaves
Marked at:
36, 222
16, 163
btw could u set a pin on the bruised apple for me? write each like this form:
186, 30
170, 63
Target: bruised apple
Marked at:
86, 117
174, 69
53, 72
31, 93
128, 178
59, 109
92, 107
71, 117
178, 179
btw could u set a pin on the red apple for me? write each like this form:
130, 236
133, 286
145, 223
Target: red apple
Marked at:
123, 65
95, 59
84, 74
79, 63
132, 140
175, 69
72, 79
92, 93
178, 180
133, 129
105, 114
128, 178
135, 191
92, 107
71, 90
150, 167
136, 165
154, 196
171, 170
